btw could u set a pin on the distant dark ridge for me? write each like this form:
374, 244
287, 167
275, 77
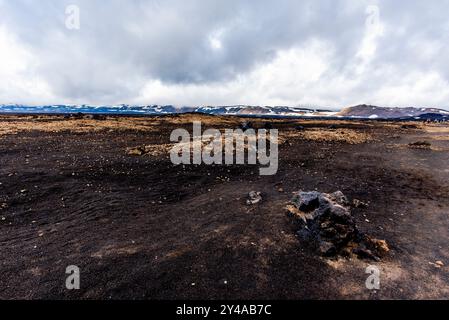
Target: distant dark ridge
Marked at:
369, 111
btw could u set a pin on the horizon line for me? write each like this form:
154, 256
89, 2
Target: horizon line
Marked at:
177, 106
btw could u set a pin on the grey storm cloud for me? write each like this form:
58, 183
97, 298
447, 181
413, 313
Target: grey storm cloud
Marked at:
121, 46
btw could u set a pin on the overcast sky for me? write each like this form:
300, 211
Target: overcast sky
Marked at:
186, 52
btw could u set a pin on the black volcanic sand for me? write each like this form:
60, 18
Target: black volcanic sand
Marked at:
141, 228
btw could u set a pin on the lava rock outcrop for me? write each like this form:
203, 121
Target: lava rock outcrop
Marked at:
326, 222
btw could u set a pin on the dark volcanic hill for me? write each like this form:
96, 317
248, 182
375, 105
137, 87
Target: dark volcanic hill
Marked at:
367, 111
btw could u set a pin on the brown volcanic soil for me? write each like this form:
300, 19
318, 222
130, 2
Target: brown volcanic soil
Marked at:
141, 228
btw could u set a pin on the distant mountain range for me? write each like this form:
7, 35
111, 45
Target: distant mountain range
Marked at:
156, 109
360, 111
374, 112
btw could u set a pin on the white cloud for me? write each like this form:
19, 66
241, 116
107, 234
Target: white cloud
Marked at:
283, 81
304, 76
329, 52
18, 81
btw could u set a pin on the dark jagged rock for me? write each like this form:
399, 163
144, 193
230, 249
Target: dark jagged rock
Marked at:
254, 197
325, 221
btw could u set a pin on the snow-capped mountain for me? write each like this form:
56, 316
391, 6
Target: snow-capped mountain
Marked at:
263, 111
112, 109
357, 112
157, 109
374, 112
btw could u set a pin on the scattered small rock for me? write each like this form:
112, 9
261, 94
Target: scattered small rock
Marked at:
356, 203
254, 198
420, 145
136, 151
437, 264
